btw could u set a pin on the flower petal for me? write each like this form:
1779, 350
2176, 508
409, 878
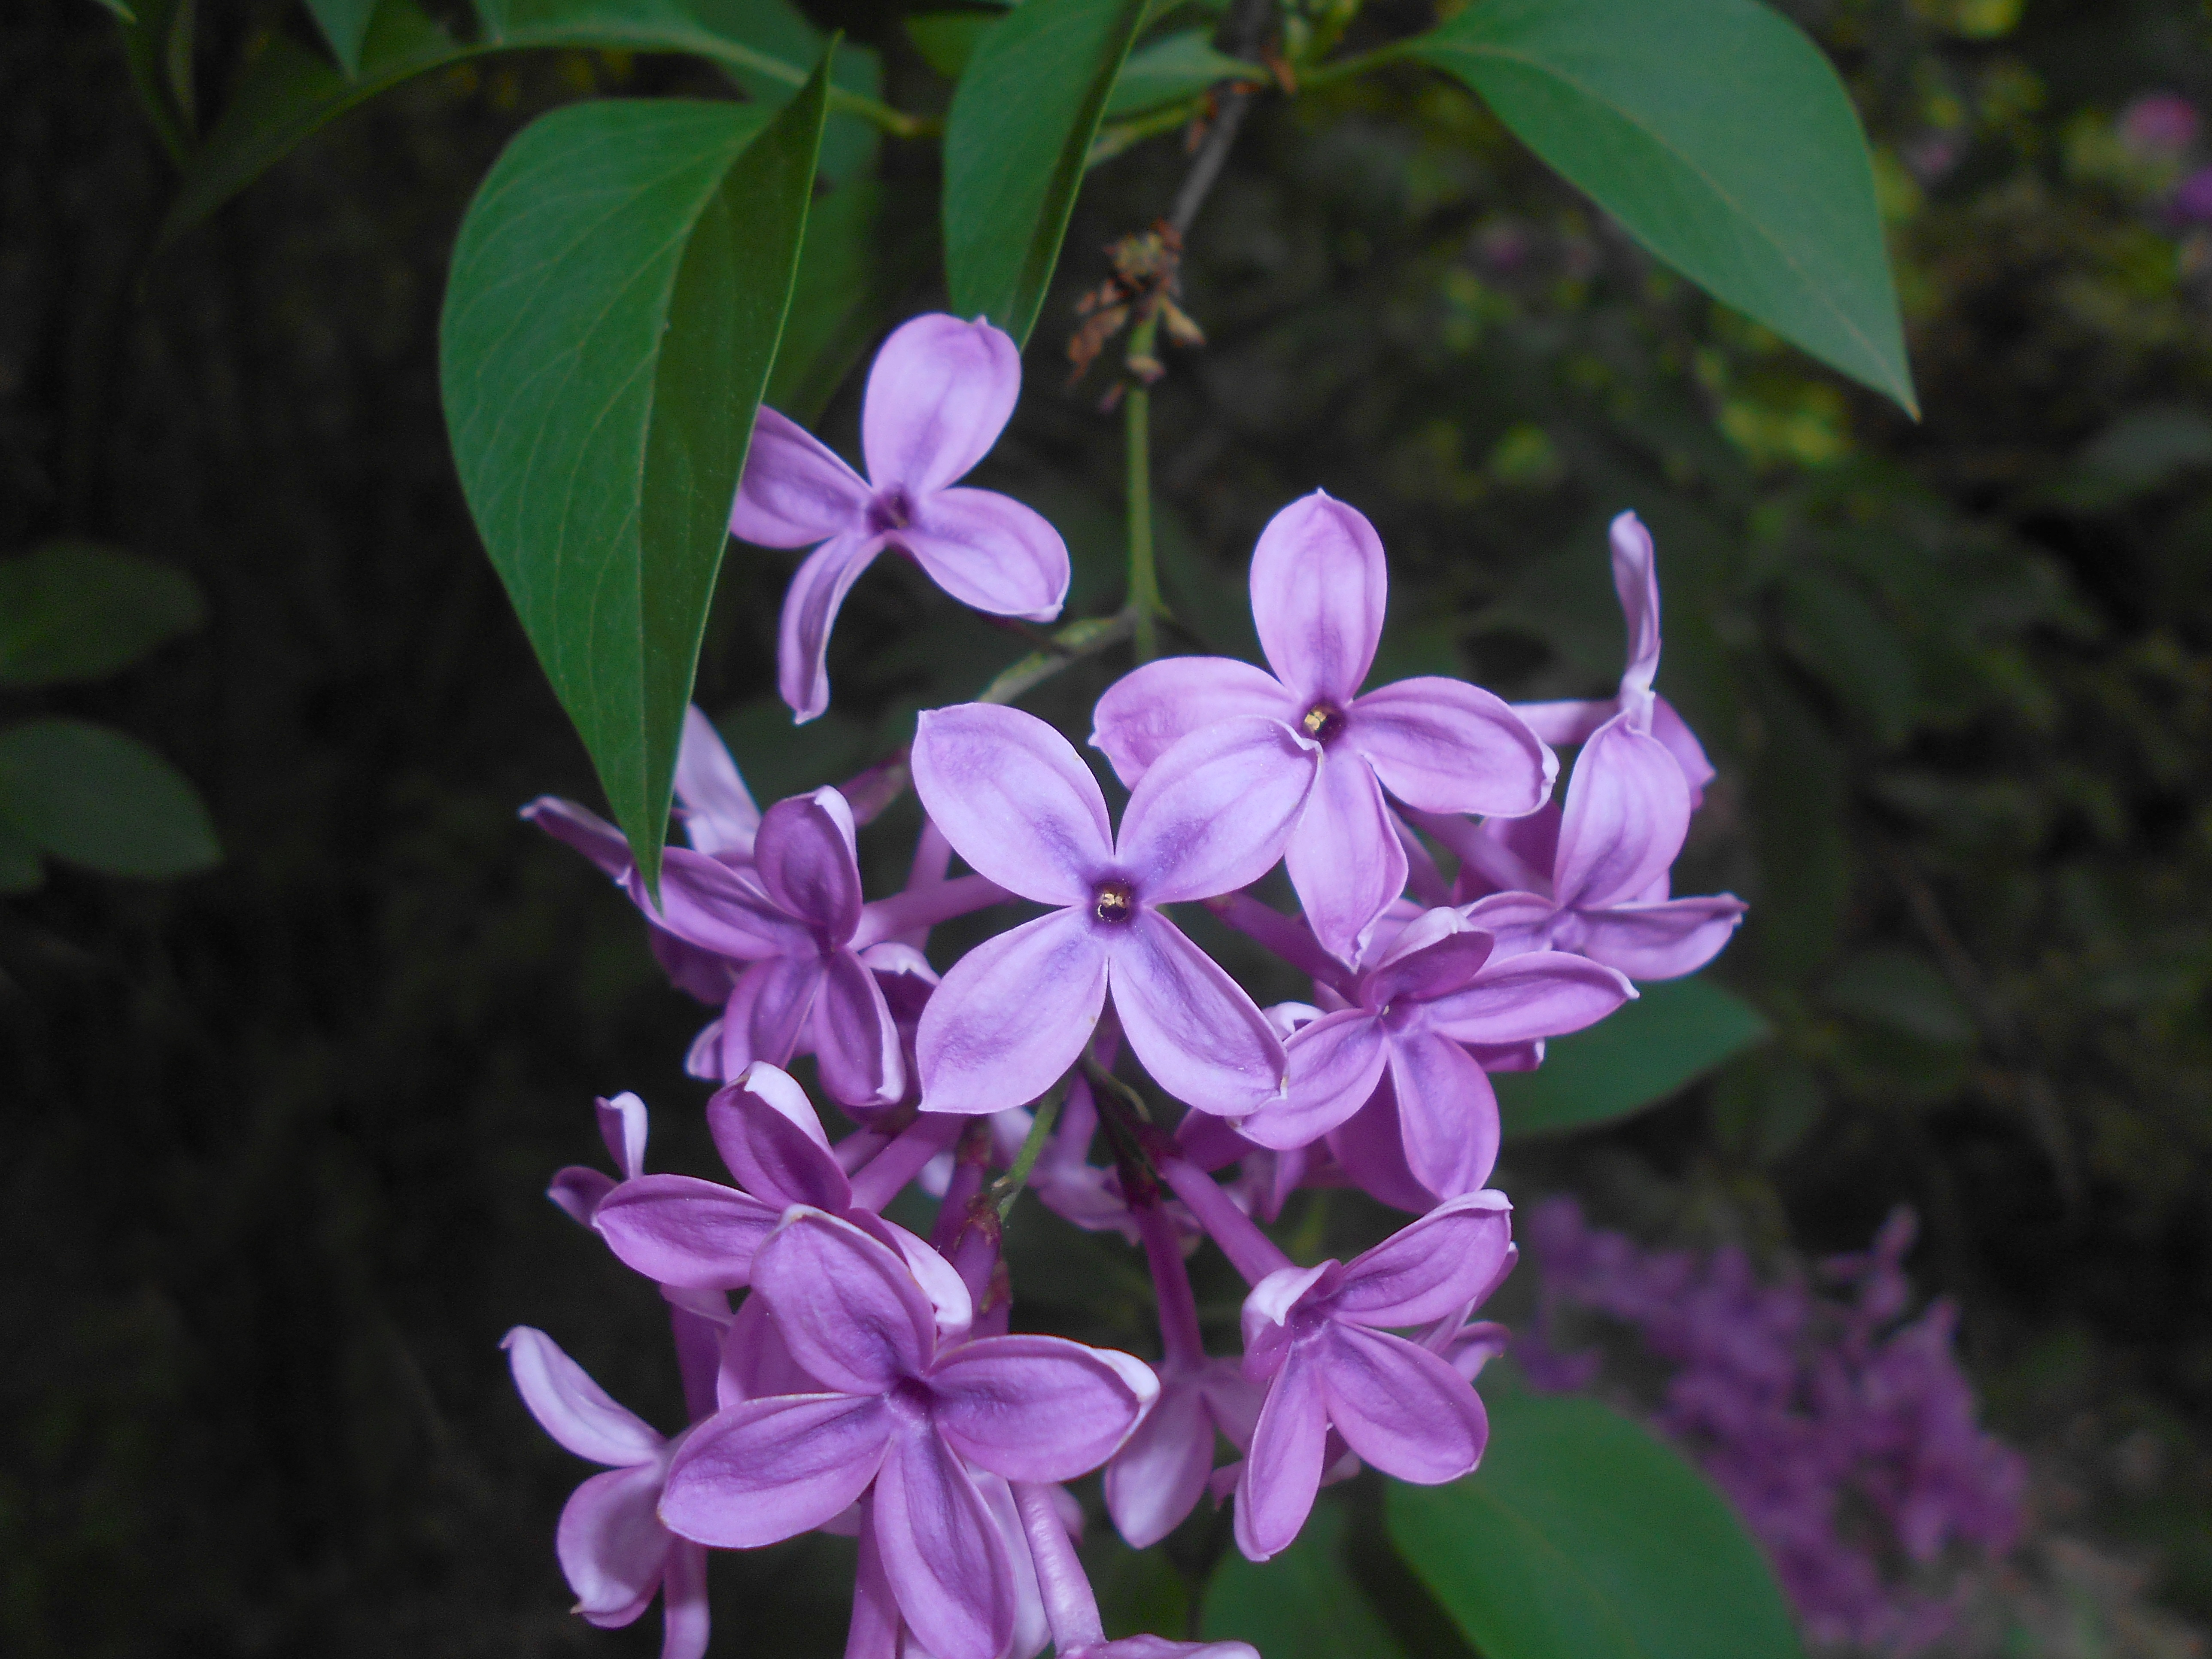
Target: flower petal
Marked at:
1636, 579
611, 1546
765, 1470
856, 1042
1628, 809
1447, 1112
1282, 1470
720, 817
942, 1550
847, 1305
1331, 1066
940, 392
578, 1191
807, 858
1012, 1016
1318, 589
767, 1132
676, 1230
989, 551
1429, 971
1542, 994
1671, 729
796, 490
1403, 1409
1442, 745
1146, 712
706, 902
622, 1125
685, 1624
1156, 1478
1371, 1148
571, 1408
755, 1362
1433, 1267
585, 830
1015, 800
1345, 857
810, 612
1518, 923
1037, 1407
1661, 941
1213, 814
1193, 1028
766, 1011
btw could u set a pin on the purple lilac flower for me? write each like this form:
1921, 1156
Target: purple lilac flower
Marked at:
1440, 745
938, 395
1017, 802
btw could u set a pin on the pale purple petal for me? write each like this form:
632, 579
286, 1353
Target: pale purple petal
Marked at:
1636, 579
1569, 721
1661, 941
755, 1362
578, 1191
940, 392
706, 974
1505, 855
875, 1629
622, 1125
1037, 1407
1447, 1112
765, 1470
1518, 923
943, 1552
1155, 1480
1344, 857
684, 1621
777, 1154
1213, 814
1015, 800
585, 831
1318, 590
1403, 1409
1282, 1471
611, 1546
766, 1011
953, 1309
1628, 809
1442, 745
856, 1042
1332, 1066
1146, 712
1159, 1647
1193, 1027
708, 903
1442, 1263
1671, 729
796, 490
989, 551
720, 817
571, 1408
676, 1230
806, 855
846, 1304
810, 610
1541, 993
1433, 971
1012, 1016
1266, 1314
1370, 1148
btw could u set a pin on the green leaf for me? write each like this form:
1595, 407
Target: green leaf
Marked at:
21, 871
1302, 1604
1901, 991
287, 92
1675, 1032
1835, 630
946, 39
1173, 67
617, 292
1015, 146
1720, 137
1583, 1536
147, 29
74, 611
344, 24
94, 797
847, 275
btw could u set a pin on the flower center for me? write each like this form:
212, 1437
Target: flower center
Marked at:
1322, 721
1116, 901
889, 510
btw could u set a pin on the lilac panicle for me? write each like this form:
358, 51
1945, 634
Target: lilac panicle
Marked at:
939, 393
1441, 745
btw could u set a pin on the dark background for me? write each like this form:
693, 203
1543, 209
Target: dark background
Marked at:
276, 1138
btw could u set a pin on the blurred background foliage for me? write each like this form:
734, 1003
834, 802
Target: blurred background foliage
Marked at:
278, 1133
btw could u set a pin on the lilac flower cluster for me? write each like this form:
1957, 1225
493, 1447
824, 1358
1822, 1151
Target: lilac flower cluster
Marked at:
1844, 1434
867, 1382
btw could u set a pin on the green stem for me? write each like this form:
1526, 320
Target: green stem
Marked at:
1358, 63
1070, 645
1008, 1187
1144, 578
1113, 140
896, 122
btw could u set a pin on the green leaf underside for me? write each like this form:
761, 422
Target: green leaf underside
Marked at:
1720, 137
1674, 1033
1173, 67
344, 24
1016, 143
95, 797
74, 611
289, 93
1302, 1604
1583, 1536
617, 292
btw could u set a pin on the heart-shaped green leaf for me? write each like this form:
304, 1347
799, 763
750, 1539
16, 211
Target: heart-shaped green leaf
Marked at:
96, 797
617, 293
1022, 118
74, 611
1583, 1536
1672, 1034
1719, 136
